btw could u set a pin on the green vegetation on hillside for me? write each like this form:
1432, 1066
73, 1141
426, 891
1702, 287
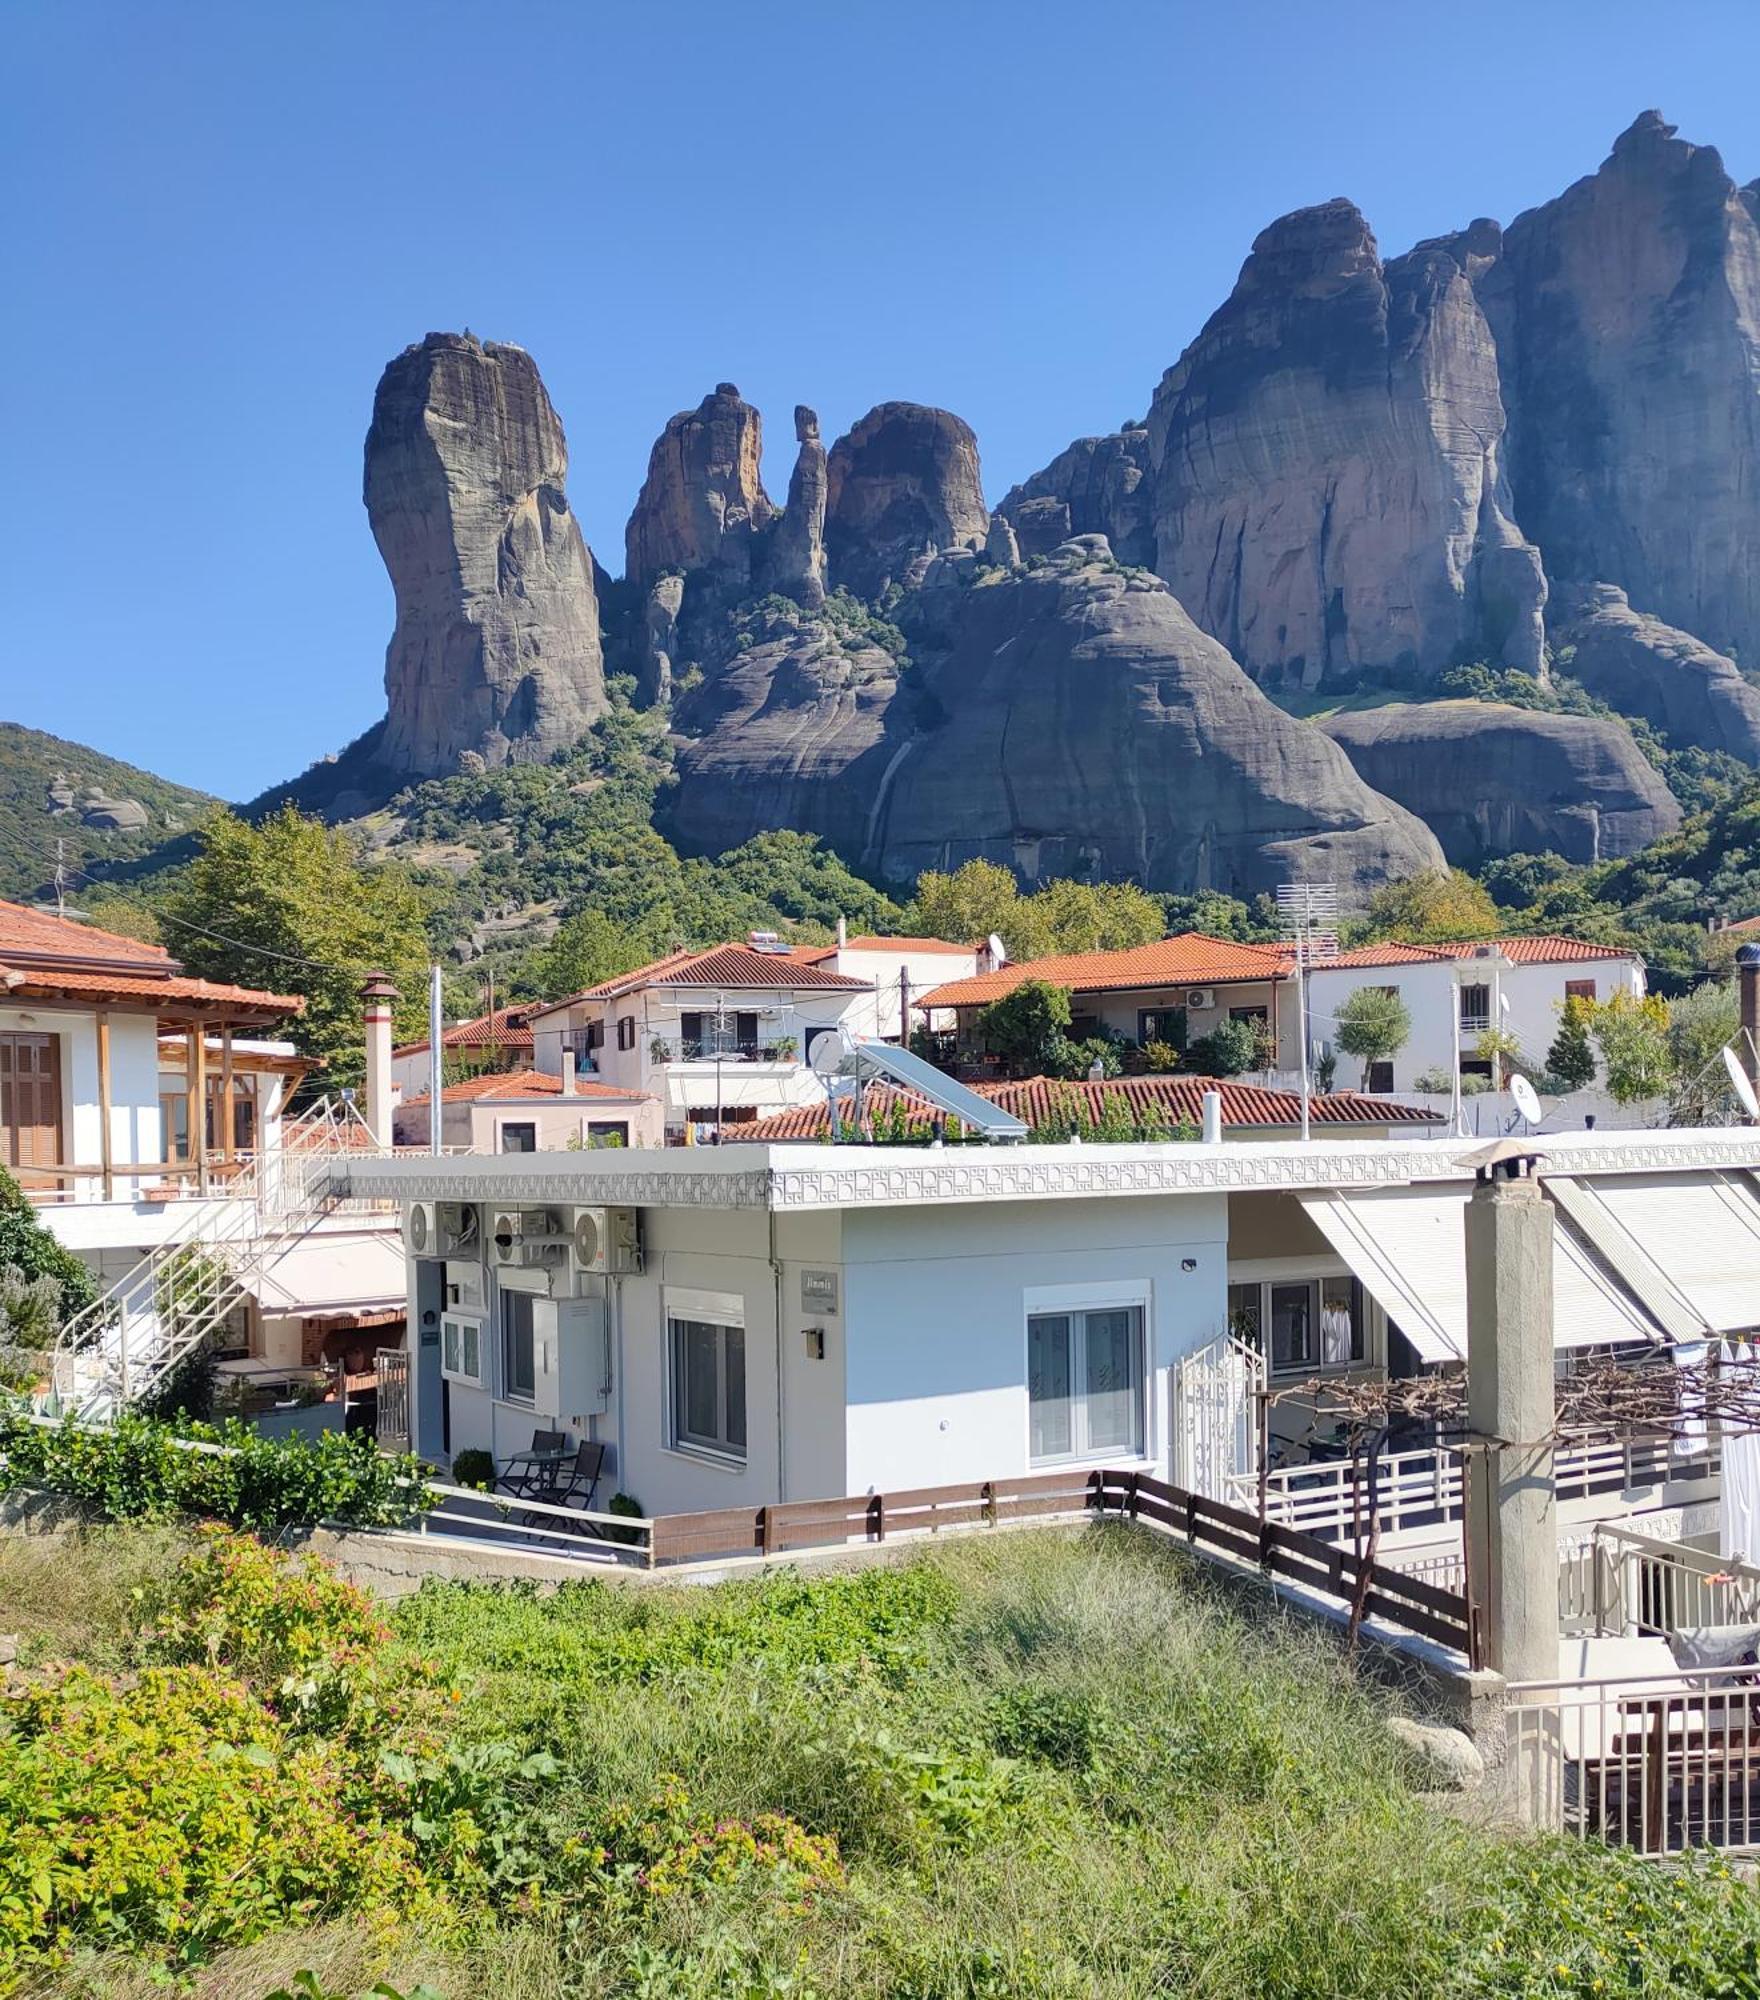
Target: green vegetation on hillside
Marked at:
30, 761
1039, 1766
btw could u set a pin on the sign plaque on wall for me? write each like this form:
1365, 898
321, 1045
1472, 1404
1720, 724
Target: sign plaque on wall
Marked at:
819, 1291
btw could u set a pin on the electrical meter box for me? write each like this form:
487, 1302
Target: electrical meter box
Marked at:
571, 1359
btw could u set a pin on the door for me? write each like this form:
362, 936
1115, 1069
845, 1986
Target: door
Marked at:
30, 1101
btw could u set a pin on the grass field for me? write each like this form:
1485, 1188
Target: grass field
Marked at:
1036, 1765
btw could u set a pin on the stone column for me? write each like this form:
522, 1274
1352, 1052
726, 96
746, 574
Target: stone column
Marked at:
378, 997
1511, 1503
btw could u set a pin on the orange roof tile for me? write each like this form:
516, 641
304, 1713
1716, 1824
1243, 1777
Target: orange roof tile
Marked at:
1190, 959
1539, 950
1035, 1098
178, 992
505, 1028
907, 944
36, 934
523, 1083
728, 966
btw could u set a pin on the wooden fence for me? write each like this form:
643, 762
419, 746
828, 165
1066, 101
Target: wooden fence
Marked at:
1372, 1590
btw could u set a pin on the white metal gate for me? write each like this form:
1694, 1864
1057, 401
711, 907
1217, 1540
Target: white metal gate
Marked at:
1215, 1419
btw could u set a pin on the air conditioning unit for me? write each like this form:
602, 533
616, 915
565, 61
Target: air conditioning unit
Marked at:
421, 1230
460, 1230
518, 1234
606, 1241
1201, 997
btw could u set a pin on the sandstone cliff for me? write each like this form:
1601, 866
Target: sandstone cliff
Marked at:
703, 502
1627, 315
1491, 779
1327, 467
1099, 486
902, 483
496, 650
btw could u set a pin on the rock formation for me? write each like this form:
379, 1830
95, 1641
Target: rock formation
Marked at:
496, 648
1070, 720
903, 482
1490, 779
1099, 486
659, 637
1327, 466
797, 553
1643, 667
703, 502
1627, 315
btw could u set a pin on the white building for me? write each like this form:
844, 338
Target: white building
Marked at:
1517, 983
718, 1038
776, 1323
901, 971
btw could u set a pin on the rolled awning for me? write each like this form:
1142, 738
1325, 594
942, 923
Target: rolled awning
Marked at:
1688, 1245
1408, 1246
322, 1275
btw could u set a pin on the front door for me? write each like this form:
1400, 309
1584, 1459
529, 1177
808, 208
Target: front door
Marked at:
30, 1102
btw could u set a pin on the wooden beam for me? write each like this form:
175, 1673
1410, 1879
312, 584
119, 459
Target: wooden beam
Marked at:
198, 1104
226, 1122
104, 1141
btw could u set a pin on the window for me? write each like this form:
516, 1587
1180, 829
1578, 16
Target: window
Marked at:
607, 1132
1380, 1079
1161, 1024
626, 1032
595, 1035
1315, 1323
461, 1350
1475, 1008
519, 1372
522, 1138
174, 1114
30, 1100
1579, 989
708, 1386
1084, 1383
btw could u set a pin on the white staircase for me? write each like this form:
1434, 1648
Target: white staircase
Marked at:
119, 1348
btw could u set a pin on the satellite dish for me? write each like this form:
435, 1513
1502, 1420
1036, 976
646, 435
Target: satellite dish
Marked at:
1526, 1100
826, 1057
998, 950
1741, 1083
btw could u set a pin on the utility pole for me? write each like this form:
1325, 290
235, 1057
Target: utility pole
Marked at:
1308, 916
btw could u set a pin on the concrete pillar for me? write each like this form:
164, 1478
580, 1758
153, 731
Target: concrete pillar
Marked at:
1212, 1102
1748, 984
1511, 1503
378, 997
568, 1072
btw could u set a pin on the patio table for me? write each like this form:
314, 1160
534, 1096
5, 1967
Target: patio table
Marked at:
529, 1475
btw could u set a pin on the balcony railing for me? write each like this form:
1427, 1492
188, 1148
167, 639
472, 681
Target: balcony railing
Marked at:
706, 1049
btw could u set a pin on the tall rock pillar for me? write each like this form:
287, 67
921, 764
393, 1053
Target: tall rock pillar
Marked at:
798, 560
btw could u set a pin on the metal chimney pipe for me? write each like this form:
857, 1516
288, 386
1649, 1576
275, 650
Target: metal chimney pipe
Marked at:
1213, 1118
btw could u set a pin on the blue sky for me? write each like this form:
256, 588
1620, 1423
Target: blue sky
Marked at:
222, 220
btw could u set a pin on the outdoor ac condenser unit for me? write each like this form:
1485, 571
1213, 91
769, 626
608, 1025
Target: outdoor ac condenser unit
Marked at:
421, 1231
1201, 997
517, 1230
606, 1241
460, 1230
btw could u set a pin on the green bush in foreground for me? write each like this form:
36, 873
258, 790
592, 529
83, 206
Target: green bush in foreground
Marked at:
137, 1469
1047, 1766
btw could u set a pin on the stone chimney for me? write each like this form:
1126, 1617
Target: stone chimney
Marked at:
378, 997
842, 933
568, 1072
1748, 982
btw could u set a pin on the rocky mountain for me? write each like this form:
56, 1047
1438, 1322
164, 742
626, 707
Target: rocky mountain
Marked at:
1533, 449
497, 650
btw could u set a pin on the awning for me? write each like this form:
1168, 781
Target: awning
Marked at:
321, 1275
1688, 1245
1409, 1248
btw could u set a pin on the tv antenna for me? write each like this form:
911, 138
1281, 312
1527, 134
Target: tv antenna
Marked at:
1307, 916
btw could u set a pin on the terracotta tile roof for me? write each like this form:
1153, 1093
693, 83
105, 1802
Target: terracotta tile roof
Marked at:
1742, 924
505, 1028
523, 1083
174, 992
37, 934
1190, 959
1542, 950
723, 966
908, 944
1245, 1106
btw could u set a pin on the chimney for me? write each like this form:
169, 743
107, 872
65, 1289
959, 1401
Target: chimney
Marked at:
842, 934
1748, 981
568, 1072
1212, 1118
378, 997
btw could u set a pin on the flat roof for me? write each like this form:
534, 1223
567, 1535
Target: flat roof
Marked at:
801, 1178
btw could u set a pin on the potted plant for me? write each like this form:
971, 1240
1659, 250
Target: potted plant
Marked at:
474, 1468
658, 1051
785, 1048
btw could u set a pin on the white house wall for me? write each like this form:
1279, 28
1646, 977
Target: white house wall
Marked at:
936, 1304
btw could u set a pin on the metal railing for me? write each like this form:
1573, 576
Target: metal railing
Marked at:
1419, 1489
1620, 1582
706, 1049
1657, 1763
181, 1293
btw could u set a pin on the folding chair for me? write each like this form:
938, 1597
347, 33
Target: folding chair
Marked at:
528, 1474
577, 1488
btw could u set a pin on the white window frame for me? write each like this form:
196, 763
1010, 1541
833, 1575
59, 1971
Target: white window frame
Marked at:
527, 1400
726, 1310
1073, 1300
466, 1325
1263, 1273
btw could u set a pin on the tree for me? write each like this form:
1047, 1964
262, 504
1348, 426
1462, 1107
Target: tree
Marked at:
589, 947
29, 1249
972, 902
1432, 909
1373, 1026
1499, 1048
1028, 1028
1571, 1058
1632, 1035
1701, 1025
1230, 1049
1097, 916
289, 906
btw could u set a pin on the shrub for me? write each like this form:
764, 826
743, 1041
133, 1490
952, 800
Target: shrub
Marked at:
1230, 1049
474, 1467
137, 1469
27, 1247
